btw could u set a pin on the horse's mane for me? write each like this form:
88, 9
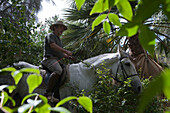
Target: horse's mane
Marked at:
97, 60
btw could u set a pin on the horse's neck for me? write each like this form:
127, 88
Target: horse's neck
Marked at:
84, 75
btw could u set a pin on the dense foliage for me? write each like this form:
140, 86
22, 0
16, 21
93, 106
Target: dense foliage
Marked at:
118, 98
21, 40
33, 102
16, 43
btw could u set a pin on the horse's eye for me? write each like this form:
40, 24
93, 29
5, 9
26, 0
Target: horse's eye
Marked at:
127, 63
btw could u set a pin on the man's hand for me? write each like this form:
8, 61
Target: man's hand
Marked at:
69, 57
69, 53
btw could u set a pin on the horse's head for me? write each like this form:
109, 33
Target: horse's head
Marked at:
124, 69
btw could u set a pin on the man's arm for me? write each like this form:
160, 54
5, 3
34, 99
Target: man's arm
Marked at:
57, 48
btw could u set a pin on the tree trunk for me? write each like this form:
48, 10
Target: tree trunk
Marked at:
144, 63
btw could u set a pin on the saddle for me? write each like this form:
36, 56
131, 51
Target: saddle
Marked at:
64, 78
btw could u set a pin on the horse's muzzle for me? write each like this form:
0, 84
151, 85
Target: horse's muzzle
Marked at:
136, 84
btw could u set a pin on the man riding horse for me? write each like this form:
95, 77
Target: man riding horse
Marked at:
53, 53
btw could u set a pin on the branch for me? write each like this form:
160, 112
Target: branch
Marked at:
1, 104
161, 40
33, 104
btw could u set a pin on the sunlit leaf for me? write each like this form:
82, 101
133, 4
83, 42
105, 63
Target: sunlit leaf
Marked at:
33, 82
100, 6
24, 108
43, 98
98, 20
147, 39
28, 96
109, 40
65, 100
166, 79
132, 30
60, 109
79, 3
11, 88
30, 70
86, 103
154, 87
3, 86
43, 109
125, 9
146, 9
128, 30
8, 69
34, 102
5, 97
106, 27
114, 19
17, 75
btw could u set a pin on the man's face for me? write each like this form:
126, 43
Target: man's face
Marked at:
59, 30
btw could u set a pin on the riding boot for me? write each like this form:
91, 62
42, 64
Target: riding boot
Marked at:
53, 81
56, 90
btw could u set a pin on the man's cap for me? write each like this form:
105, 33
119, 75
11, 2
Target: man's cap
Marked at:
58, 23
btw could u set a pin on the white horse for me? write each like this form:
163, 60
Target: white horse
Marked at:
84, 77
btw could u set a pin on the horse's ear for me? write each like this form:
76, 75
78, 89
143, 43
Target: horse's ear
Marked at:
121, 51
118, 48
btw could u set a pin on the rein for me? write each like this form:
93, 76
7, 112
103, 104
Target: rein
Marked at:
125, 75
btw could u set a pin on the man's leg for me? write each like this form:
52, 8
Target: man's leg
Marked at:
54, 78
50, 91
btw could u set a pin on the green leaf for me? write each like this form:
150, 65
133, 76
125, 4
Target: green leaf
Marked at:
125, 9
43, 98
86, 103
34, 102
154, 87
3, 86
24, 108
12, 100
8, 69
33, 82
166, 8
113, 3
43, 109
147, 39
100, 6
60, 109
132, 30
128, 30
114, 19
8, 109
65, 100
79, 3
146, 9
17, 75
11, 88
98, 20
30, 70
28, 96
106, 27
166, 79
6, 97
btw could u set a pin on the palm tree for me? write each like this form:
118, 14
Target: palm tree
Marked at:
85, 42
88, 43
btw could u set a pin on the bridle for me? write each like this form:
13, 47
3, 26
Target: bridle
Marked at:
125, 75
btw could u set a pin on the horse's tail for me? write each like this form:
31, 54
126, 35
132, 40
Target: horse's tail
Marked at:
23, 64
